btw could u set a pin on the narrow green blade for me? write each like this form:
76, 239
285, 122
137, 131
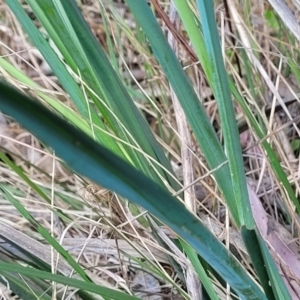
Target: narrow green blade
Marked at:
86, 286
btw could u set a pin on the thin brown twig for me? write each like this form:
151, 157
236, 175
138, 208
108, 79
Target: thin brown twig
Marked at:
180, 39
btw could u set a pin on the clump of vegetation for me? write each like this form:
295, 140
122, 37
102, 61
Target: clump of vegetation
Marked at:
161, 157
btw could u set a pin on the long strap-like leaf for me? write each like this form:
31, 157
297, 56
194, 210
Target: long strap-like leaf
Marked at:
92, 160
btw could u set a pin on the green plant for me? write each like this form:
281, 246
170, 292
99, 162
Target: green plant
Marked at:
107, 140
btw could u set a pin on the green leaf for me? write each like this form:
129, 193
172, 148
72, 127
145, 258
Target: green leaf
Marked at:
92, 160
83, 53
253, 246
279, 287
195, 113
44, 233
203, 276
271, 19
63, 75
86, 286
220, 86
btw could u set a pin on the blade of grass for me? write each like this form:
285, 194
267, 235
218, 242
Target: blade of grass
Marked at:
31, 184
250, 240
193, 26
57, 66
205, 280
195, 113
274, 162
24, 288
64, 19
234, 152
279, 288
230, 131
64, 77
86, 286
198, 42
44, 233
65, 111
20, 172
193, 29
92, 160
